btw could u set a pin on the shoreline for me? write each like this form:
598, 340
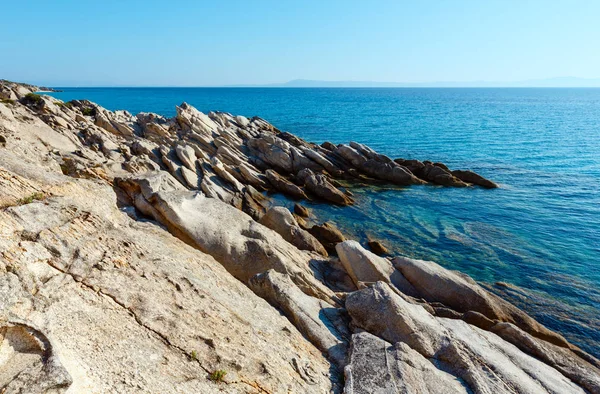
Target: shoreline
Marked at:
191, 172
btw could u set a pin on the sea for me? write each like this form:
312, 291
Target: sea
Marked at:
534, 241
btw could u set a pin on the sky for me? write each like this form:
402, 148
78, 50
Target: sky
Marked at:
227, 42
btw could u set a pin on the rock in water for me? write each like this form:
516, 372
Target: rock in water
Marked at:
328, 235
378, 248
301, 210
474, 178
434, 283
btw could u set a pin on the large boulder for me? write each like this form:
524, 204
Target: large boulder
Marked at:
282, 221
328, 234
320, 186
458, 291
441, 176
283, 185
272, 150
377, 366
243, 246
324, 325
474, 178
190, 119
364, 266
482, 361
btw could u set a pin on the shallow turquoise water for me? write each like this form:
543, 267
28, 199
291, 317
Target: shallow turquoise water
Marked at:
540, 231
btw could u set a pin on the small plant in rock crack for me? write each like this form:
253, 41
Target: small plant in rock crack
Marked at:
31, 198
218, 375
194, 355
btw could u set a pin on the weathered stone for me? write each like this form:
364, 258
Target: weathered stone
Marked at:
127, 306
244, 247
322, 188
474, 178
378, 248
460, 292
281, 221
29, 362
324, 325
454, 346
364, 266
328, 235
186, 154
301, 210
283, 185
376, 366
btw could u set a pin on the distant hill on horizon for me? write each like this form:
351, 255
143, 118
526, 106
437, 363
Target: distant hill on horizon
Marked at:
549, 82
558, 82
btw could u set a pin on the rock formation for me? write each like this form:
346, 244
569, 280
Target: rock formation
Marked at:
143, 254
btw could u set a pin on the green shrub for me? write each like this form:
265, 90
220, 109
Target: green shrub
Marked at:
88, 111
32, 98
194, 355
68, 104
218, 375
7, 101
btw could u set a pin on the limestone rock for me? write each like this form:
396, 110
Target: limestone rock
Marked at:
129, 307
274, 151
388, 171
481, 359
474, 178
281, 221
186, 154
322, 188
189, 118
376, 366
460, 292
328, 235
365, 266
324, 325
243, 246
283, 185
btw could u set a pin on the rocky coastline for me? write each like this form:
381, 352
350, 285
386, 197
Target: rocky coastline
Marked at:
144, 254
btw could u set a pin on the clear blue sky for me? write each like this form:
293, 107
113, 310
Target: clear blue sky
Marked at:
222, 42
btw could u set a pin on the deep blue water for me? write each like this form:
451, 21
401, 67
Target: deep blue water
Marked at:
540, 231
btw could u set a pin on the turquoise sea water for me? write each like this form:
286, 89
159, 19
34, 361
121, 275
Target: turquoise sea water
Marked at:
540, 231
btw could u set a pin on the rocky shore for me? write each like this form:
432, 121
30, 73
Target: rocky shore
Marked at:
144, 254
